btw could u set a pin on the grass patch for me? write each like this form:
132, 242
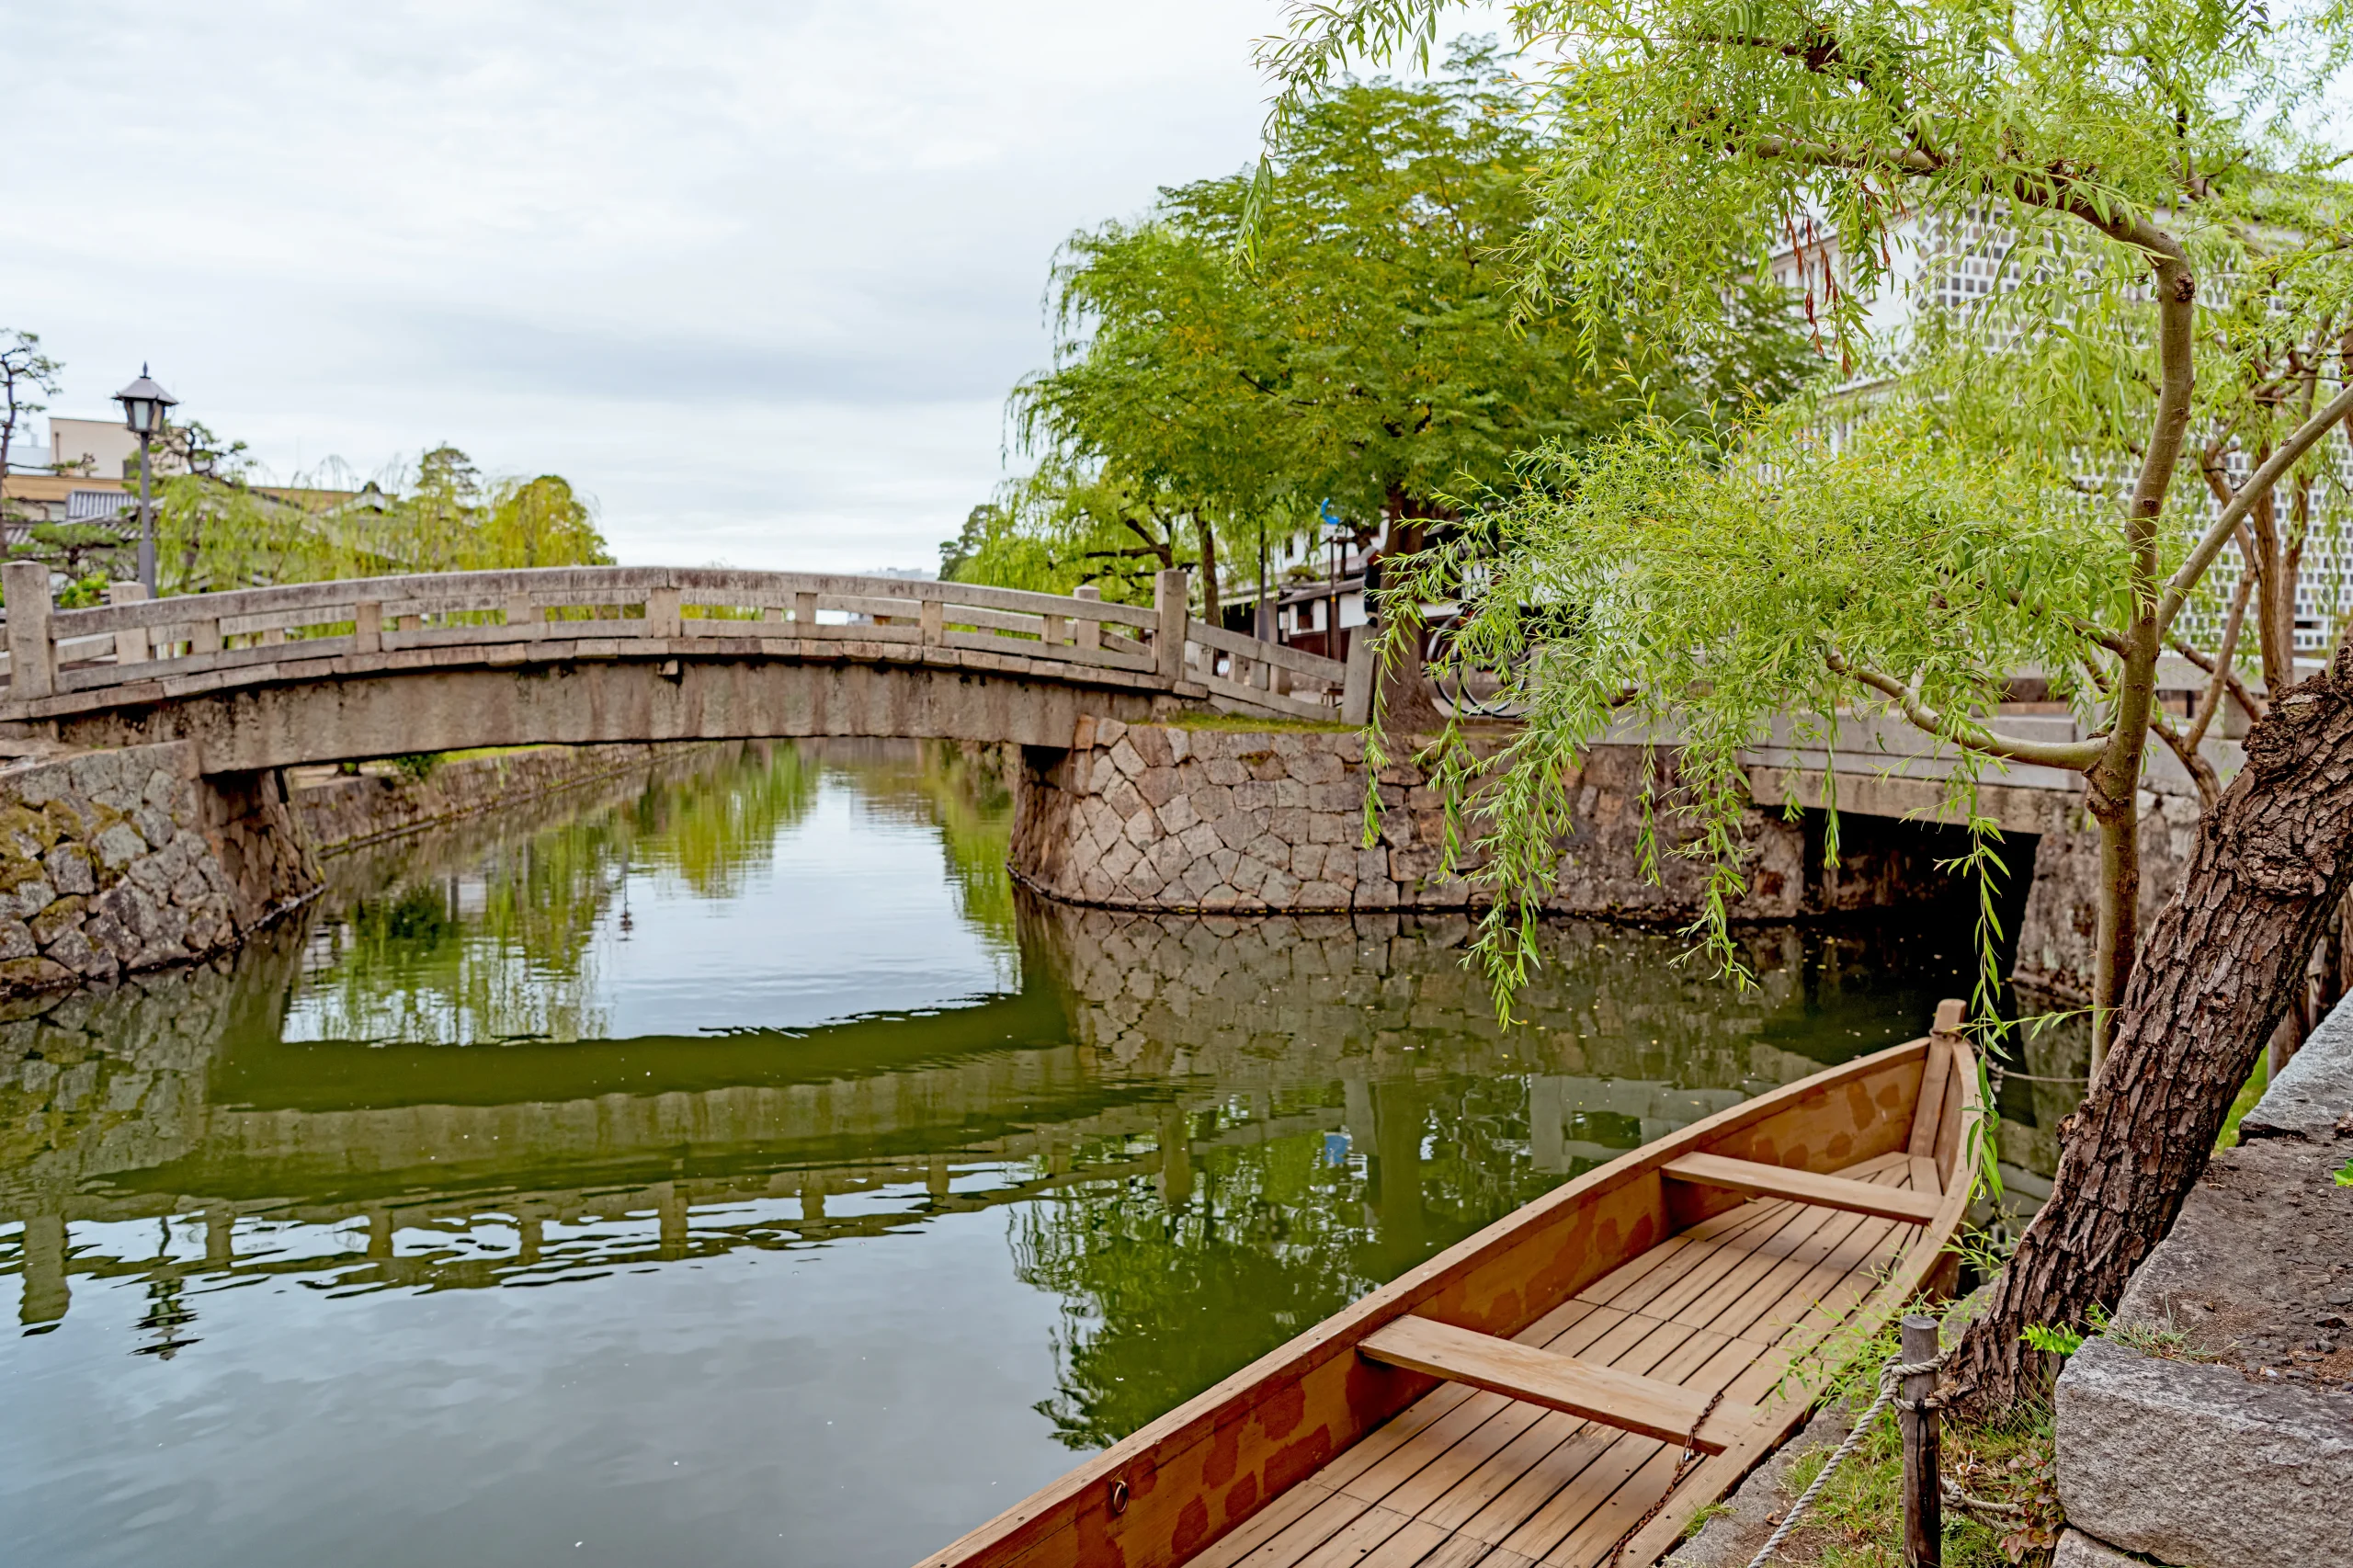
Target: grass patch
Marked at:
2003, 1467
2249, 1091
1244, 723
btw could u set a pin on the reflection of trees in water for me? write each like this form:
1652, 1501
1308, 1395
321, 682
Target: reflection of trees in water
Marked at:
506, 949
710, 833
1167, 1284
958, 791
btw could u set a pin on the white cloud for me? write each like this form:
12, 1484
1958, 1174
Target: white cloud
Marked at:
757, 277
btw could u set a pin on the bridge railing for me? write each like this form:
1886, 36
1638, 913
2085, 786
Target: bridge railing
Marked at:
614, 611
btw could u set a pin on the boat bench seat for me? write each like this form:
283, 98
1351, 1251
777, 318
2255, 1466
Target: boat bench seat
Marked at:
1624, 1400
1757, 1180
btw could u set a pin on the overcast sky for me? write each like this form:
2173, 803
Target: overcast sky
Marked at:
755, 277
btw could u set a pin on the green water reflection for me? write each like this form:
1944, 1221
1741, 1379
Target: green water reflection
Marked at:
774, 1004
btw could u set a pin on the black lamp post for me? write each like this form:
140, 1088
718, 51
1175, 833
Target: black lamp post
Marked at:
144, 405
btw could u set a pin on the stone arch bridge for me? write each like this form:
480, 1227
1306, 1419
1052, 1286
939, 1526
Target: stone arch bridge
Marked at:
324, 672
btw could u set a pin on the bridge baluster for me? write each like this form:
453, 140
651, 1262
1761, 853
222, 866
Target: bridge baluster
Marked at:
521, 611
33, 657
367, 628
1168, 598
131, 643
662, 612
1088, 632
804, 613
933, 615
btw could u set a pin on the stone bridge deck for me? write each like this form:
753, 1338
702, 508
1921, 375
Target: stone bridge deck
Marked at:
322, 671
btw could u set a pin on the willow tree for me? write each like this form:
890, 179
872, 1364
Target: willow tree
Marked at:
217, 530
1709, 585
1366, 346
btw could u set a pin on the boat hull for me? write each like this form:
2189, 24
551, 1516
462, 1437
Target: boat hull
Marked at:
1183, 1486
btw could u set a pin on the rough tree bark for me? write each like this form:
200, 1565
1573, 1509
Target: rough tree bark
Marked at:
2222, 962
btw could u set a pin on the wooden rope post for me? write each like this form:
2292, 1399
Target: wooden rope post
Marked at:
1924, 1527
1168, 597
33, 657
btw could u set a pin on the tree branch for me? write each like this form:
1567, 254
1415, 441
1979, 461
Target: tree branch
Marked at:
1967, 732
2259, 484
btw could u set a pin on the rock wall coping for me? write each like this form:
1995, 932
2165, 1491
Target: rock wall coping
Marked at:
2244, 1456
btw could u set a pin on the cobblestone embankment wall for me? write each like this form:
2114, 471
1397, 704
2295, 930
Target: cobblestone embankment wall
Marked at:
120, 860
117, 861
339, 812
1167, 817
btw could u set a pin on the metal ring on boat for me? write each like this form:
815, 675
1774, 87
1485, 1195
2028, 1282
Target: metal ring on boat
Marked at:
1119, 1497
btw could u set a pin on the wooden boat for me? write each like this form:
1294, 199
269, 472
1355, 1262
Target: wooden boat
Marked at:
1575, 1381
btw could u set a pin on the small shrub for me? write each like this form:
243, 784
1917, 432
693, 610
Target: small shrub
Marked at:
417, 766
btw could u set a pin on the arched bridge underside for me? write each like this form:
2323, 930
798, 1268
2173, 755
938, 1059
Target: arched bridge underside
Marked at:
326, 672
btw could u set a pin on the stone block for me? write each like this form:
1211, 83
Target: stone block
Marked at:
1109, 732
1180, 743
1125, 799
153, 825
1254, 795
61, 916
1102, 774
1198, 878
152, 875
1289, 792
1157, 785
1317, 766
35, 974
1143, 830
27, 899
160, 788
1120, 857
118, 846
1344, 796
1200, 840
1151, 743
1127, 759
1224, 770
2190, 1463
69, 869
1280, 890
77, 952
1176, 813
1321, 895
2077, 1549
2315, 1092
16, 940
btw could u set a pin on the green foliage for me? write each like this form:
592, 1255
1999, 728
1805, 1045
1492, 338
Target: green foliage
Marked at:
2249, 1091
216, 531
2053, 1341
2006, 504
2343, 1174
1372, 350
1658, 575
417, 766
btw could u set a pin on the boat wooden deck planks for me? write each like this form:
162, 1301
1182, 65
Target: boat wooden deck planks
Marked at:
1468, 1478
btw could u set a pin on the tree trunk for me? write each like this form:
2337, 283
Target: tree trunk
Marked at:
2272, 865
1211, 610
2116, 938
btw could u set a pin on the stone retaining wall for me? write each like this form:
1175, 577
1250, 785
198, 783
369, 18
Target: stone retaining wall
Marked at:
120, 860
124, 860
2238, 1451
338, 812
1171, 817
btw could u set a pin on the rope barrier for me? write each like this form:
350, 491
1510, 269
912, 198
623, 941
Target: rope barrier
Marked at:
1890, 1379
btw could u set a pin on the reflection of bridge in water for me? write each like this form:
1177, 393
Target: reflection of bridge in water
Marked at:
1138, 1049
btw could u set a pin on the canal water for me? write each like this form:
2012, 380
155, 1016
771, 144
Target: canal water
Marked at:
729, 1166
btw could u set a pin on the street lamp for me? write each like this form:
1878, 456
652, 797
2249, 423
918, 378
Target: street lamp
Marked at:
143, 403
